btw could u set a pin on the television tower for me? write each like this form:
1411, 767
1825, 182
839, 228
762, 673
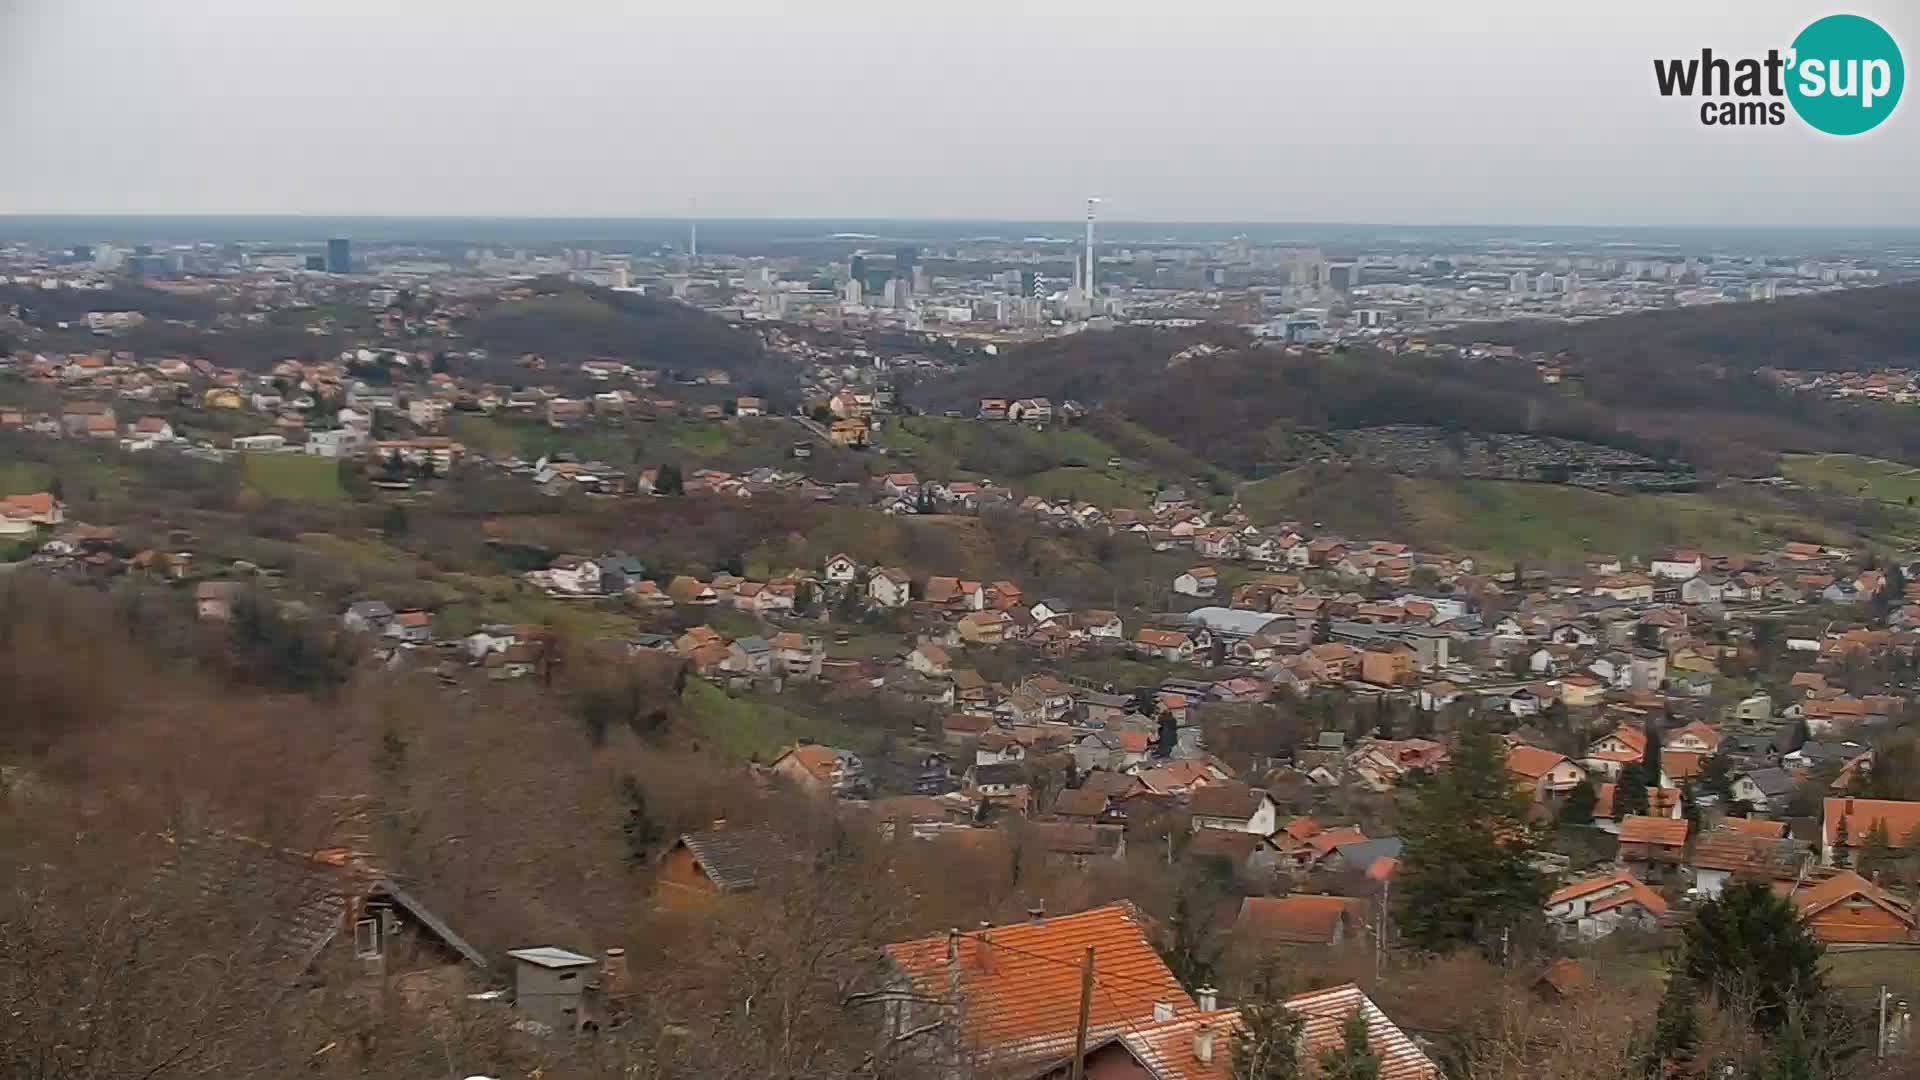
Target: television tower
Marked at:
1091, 203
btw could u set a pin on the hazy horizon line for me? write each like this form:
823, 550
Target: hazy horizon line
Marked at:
1074, 220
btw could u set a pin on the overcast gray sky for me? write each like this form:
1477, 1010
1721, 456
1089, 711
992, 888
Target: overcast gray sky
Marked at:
1418, 111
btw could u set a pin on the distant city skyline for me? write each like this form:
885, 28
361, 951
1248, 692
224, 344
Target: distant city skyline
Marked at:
1387, 114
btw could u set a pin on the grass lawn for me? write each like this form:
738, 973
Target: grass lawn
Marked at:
295, 476
1104, 488
1503, 519
741, 727
23, 477
1863, 477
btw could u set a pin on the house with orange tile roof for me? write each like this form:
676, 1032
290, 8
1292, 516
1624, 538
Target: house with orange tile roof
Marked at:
818, 769
1001, 997
1652, 845
1846, 823
1662, 802
1182, 775
1300, 920
1199, 1046
1847, 909
1729, 852
29, 511
1545, 775
1594, 907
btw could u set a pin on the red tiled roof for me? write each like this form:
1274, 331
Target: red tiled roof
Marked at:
1667, 832
1860, 814
1309, 920
1020, 984
1167, 1047
1532, 762
1855, 892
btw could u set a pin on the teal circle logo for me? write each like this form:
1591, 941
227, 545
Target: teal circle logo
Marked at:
1846, 75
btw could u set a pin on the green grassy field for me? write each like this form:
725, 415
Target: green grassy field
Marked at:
1506, 520
1873, 478
295, 476
743, 728
1104, 488
23, 477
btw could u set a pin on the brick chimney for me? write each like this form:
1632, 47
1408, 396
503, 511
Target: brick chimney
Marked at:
1203, 1043
613, 971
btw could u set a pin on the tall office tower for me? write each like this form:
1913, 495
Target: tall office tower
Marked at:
1342, 277
903, 259
339, 256
1029, 283
857, 269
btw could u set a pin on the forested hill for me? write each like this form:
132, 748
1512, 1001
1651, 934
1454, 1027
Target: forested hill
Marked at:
1837, 331
567, 322
1685, 389
1094, 367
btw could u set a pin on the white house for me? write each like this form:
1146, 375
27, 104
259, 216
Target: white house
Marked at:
1594, 907
1200, 582
573, 574
1676, 565
1233, 805
889, 587
841, 570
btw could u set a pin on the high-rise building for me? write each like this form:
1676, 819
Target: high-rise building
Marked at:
857, 269
339, 256
1030, 283
316, 262
1342, 277
903, 259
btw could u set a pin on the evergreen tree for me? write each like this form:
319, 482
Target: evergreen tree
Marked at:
1353, 1059
641, 831
1578, 809
1676, 1028
1382, 717
1323, 628
394, 522
1555, 716
802, 596
1650, 764
1630, 792
1422, 722
1750, 950
667, 481
1267, 1046
1168, 735
1716, 776
1146, 701
1467, 870
1877, 853
1689, 806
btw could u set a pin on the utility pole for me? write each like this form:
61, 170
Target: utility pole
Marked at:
1880, 1044
1086, 1004
1380, 933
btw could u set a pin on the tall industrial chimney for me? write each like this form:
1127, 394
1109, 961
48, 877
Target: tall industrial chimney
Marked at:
1091, 202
